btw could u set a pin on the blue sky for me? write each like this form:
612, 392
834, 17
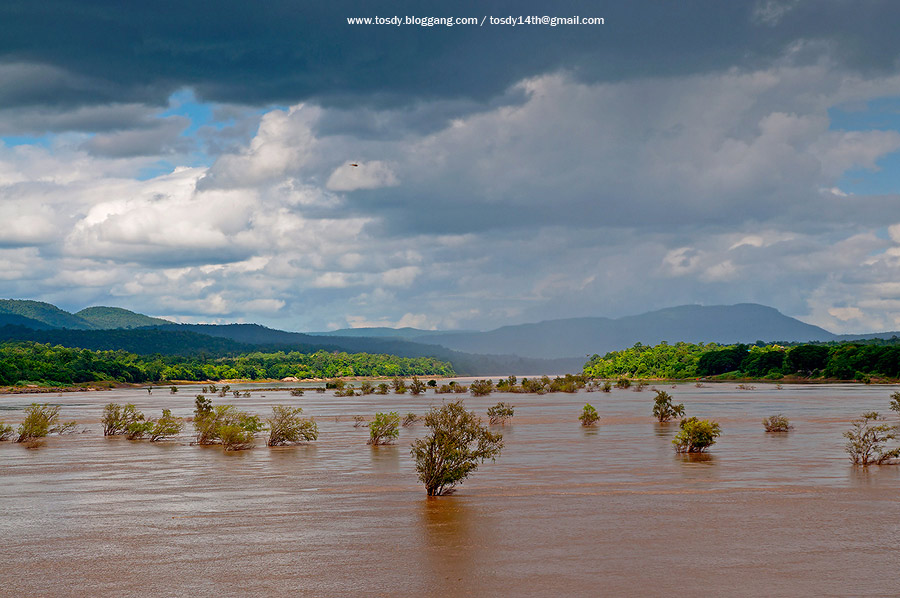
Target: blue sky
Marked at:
197, 166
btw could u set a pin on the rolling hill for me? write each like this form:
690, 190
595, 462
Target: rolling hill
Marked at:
115, 317
45, 313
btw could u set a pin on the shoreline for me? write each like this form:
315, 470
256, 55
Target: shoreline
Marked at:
104, 385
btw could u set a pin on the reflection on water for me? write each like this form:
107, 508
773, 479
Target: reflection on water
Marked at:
385, 458
692, 458
665, 430
450, 539
565, 510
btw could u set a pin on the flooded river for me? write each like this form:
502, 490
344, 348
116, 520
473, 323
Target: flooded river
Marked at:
565, 511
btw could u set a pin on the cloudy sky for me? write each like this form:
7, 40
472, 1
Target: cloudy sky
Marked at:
192, 160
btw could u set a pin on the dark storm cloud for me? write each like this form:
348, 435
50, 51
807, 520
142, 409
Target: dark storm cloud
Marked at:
87, 119
285, 51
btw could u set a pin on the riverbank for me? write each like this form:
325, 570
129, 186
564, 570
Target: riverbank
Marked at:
101, 385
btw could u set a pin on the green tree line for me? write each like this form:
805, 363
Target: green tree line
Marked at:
29, 362
841, 361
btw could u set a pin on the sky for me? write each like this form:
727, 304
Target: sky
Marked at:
194, 160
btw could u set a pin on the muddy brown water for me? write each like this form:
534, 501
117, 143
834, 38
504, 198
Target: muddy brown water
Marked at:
565, 511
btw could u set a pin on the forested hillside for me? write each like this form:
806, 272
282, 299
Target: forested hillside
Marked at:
859, 360
26, 362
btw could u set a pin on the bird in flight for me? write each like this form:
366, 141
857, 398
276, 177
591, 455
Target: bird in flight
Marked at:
353, 164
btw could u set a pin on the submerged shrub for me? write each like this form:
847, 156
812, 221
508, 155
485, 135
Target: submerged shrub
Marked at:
867, 440
623, 383
228, 425
235, 438
499, 413
286, 425
777, 423
480, 388
117, 418
409, 419
696, 435
137, 430
166, 426
416, 387
202, 406
589, 415
458, 442
663, 408
41, 421
384, 428
5, 431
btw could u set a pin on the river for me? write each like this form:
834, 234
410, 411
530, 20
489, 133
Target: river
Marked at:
564, 511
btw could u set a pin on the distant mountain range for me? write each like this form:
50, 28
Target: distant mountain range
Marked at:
742, 323
406, 333
550, 347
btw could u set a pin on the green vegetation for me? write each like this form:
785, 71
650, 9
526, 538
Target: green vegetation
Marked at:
409, 419
45, 313
843, 361
5, 431
116, 418
116, 317
41, 421
868, 438
286, 425
505, 384
416, 387
500, 413
696, 435
224, 424
777, 423
29, 362
480, 388
589, 416
663, 408
384, 428
159, 429
458, 442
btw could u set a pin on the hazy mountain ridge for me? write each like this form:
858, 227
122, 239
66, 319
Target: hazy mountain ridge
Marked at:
406, 332
464, 363
745, 322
